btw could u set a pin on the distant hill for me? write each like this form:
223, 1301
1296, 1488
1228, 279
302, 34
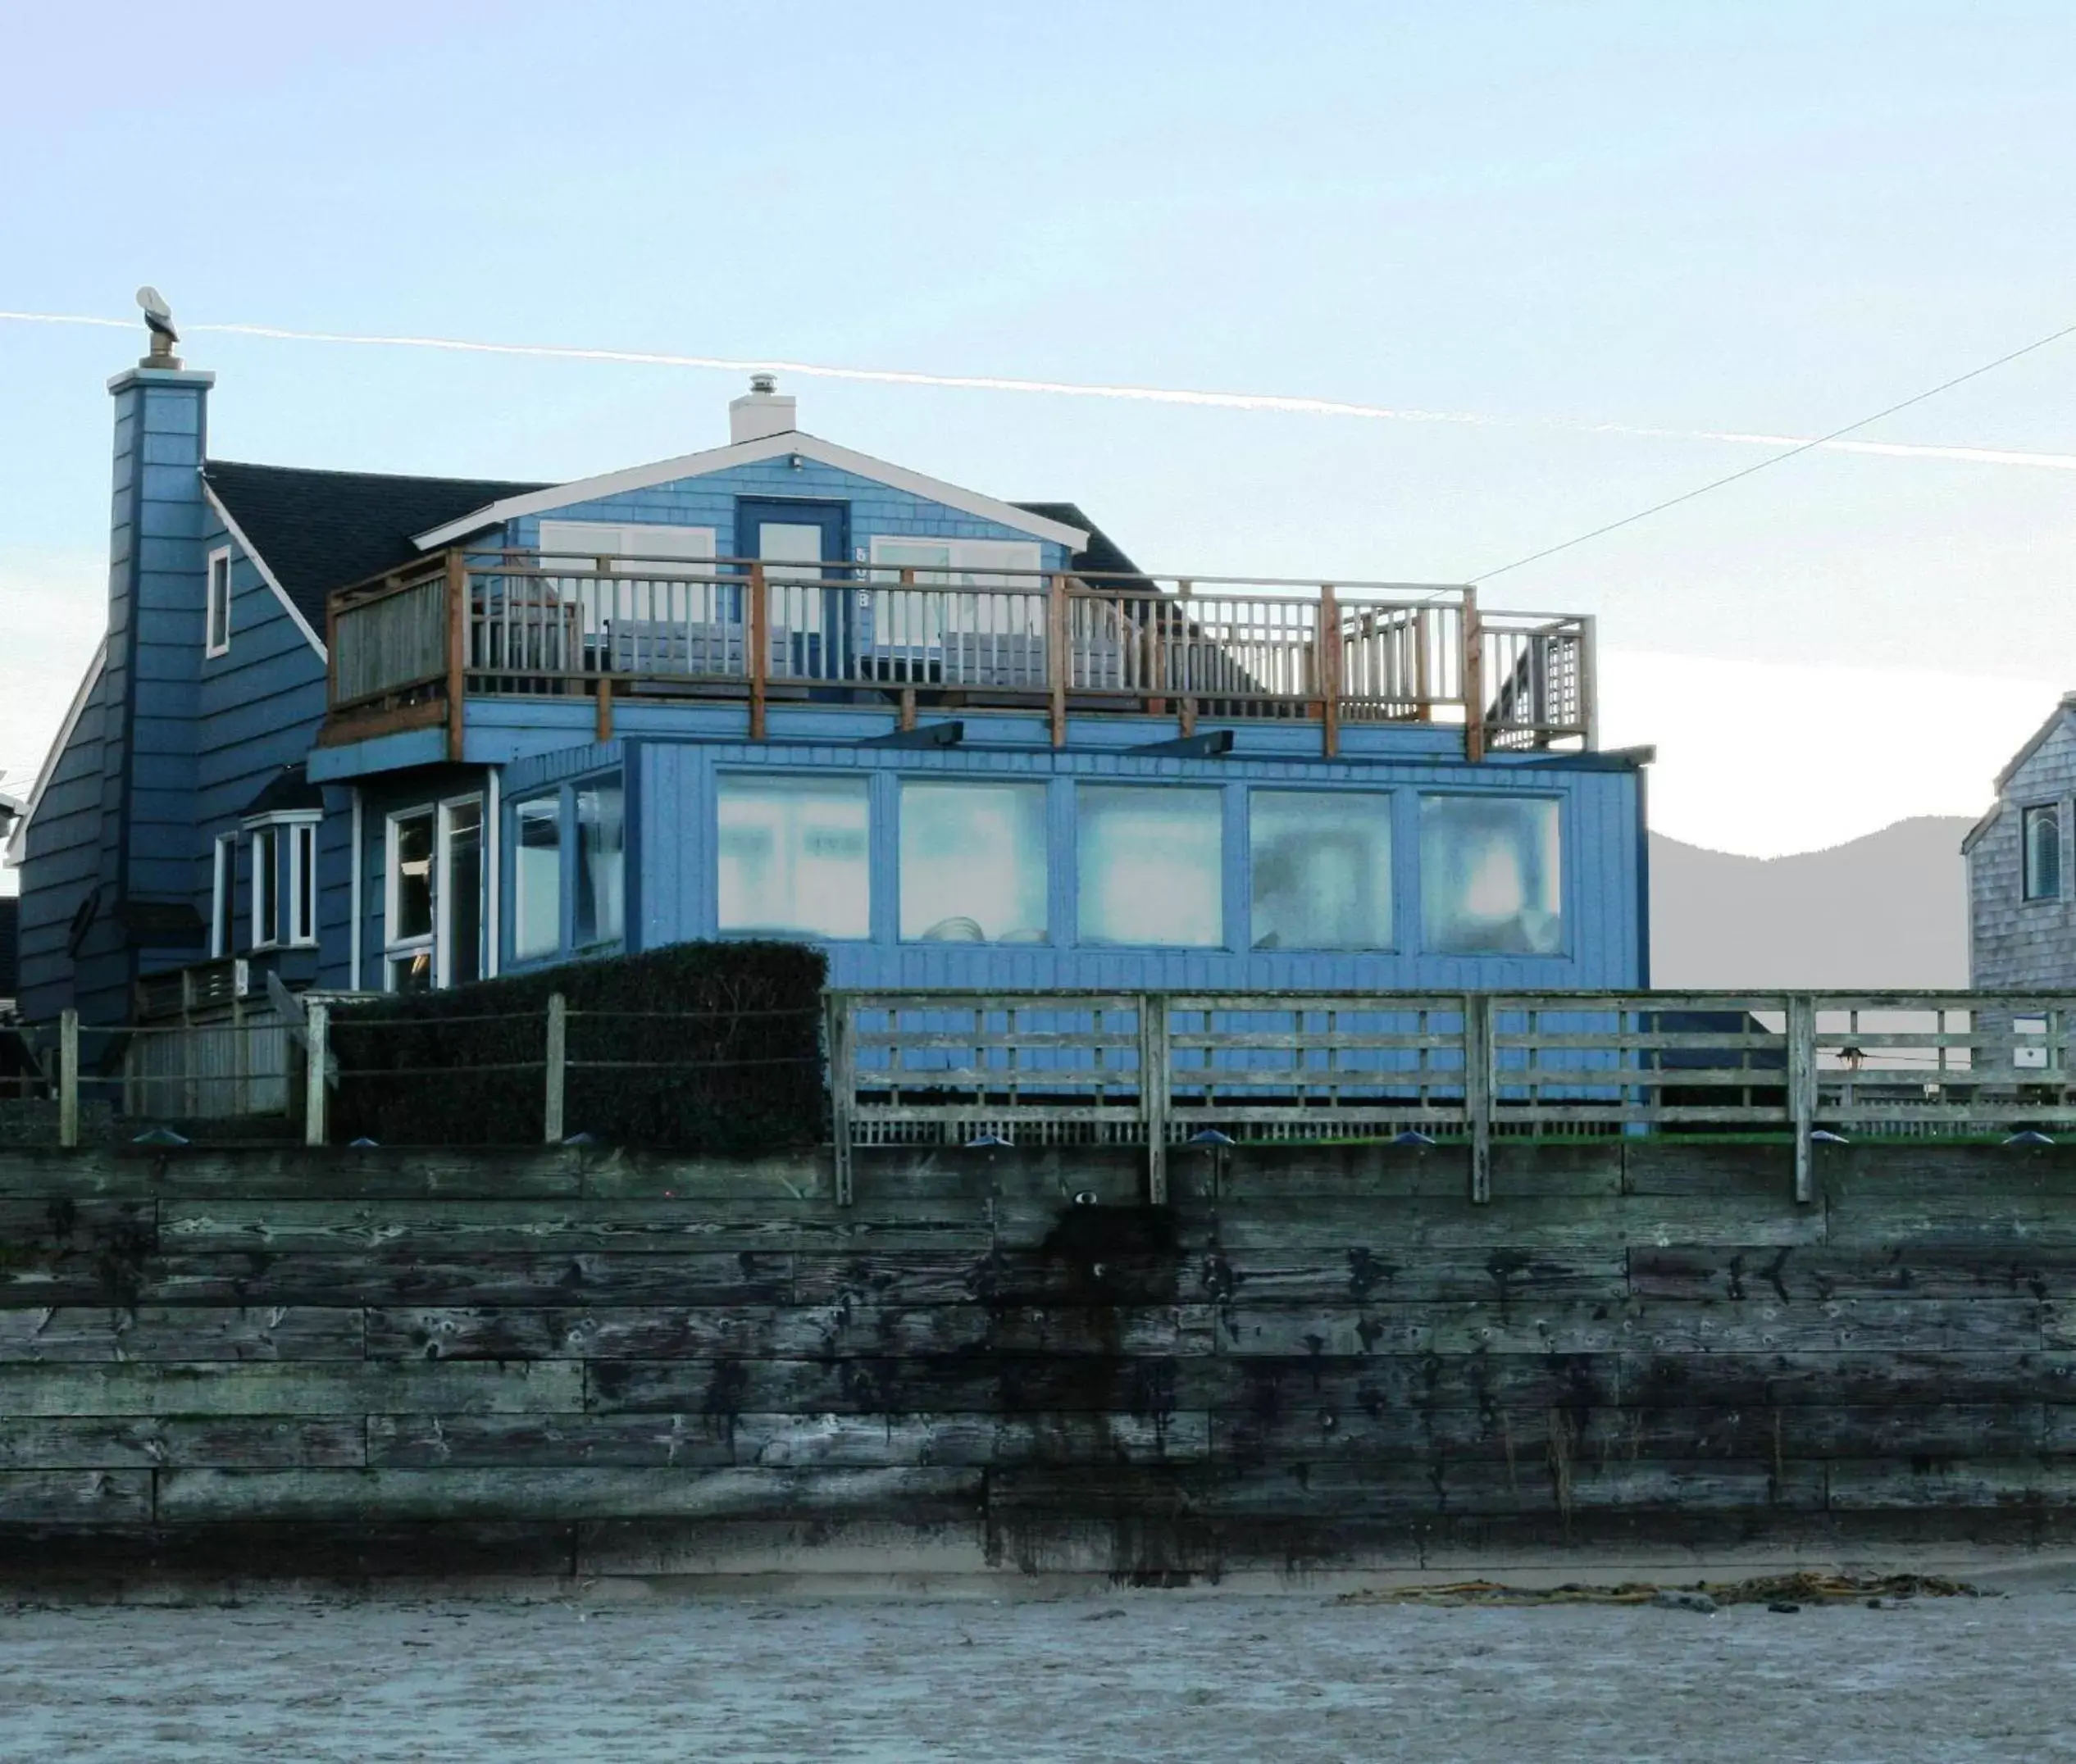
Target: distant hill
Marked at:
1890, 910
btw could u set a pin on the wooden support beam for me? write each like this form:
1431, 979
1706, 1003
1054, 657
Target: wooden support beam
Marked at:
605, 707
1473, 681
68, 1078
317, 1036
758, 637
1153, 1092
456, 654
1477, 1091
1802, 1090
1056, 626
1327, 639
843, 1078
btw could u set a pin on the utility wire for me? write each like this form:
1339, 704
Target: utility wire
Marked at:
1747, 471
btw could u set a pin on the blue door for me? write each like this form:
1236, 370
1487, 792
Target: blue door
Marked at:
803, 546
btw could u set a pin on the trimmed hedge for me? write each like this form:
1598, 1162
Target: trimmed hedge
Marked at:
699, 1047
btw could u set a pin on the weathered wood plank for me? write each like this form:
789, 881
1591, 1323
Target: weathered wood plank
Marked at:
295, 1172
1524, 1437
1932, 1482
1667, 1166
590, 1491
1436, 1172
95, 1554
915, 1279
1727, 1326
1906, 1376
631, 1173
1588, 1226
782, 1440
448, 1229
270, 1442
382, 1278
1358, 1275
711, 1332
1820, 1272
315, 1388
1007, 1384
76, 1497
159, 1332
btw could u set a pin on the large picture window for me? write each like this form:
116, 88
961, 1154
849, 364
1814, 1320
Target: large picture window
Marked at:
973, 862
794, 857
601, 853
1320, 868
1148, 865
1490, 876
2041, 828
537, 879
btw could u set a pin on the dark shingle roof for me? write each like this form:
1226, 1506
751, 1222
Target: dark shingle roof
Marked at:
9, 942
1102, 555
320, 530
288, 790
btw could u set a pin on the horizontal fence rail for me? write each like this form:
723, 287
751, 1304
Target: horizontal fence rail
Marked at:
514, 623
1167, 1070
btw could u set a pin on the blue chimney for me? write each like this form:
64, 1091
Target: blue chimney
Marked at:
143, 915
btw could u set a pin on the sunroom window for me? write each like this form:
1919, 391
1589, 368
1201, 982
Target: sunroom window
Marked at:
794, 857
973, 862
1320, 863
1150, 866
1490, 876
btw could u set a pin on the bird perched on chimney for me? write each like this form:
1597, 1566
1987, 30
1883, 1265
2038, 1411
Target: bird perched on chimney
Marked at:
158, 319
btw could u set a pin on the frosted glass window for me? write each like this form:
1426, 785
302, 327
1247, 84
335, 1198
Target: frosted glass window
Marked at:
537, 879
1490, 877
1321, 866
1150, 866
2043, 827
796, 857
973, 863
601, 851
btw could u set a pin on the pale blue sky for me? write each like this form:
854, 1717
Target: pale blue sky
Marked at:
1685, 216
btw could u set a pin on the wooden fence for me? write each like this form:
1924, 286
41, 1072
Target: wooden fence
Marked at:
1157, 1070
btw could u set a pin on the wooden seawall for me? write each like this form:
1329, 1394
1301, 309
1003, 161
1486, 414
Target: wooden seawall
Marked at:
582, 1363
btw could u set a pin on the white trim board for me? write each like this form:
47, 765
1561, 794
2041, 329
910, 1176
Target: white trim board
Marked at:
259, 563
17, 840
749, 453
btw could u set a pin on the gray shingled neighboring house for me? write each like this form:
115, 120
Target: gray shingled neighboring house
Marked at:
2022, 869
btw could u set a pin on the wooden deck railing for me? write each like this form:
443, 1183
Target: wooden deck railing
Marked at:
1165, 1071
514, 624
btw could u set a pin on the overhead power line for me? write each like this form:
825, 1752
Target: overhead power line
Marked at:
1796, 451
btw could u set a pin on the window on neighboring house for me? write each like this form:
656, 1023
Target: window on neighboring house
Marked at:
793, 857
973, 862
222, 896
218, 615
1490, 876
601, 854
537, 878
408, 918
1320, 868
266, 887
2041, 828
303, 883
1148, 864
458, 893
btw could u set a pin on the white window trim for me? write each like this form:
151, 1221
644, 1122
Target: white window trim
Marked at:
579, 544
266, 836
302, 867
272, 826
223, 878
210, 646
439, 943
968, 556
442, 878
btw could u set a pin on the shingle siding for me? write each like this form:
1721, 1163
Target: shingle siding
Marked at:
2013, 941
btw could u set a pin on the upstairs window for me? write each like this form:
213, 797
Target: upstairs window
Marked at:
2041, 831
218, 615
1491, 875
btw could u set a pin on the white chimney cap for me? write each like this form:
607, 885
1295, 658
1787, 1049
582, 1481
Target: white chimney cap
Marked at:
761, 411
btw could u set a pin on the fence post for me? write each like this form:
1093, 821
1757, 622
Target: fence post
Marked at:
843, 1086
68, 1078
457, 610
1477, 1091
316, 1028
1328, 667
757, 636
1802, 1090
558, 1033
1153, 1092
1056, 625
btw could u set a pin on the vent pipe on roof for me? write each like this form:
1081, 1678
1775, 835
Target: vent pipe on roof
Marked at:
760, 411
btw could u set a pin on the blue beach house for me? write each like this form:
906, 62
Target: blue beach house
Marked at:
363, 733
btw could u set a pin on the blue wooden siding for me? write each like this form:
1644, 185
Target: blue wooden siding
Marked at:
673, 786
60, 862
259, 707
876, 510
